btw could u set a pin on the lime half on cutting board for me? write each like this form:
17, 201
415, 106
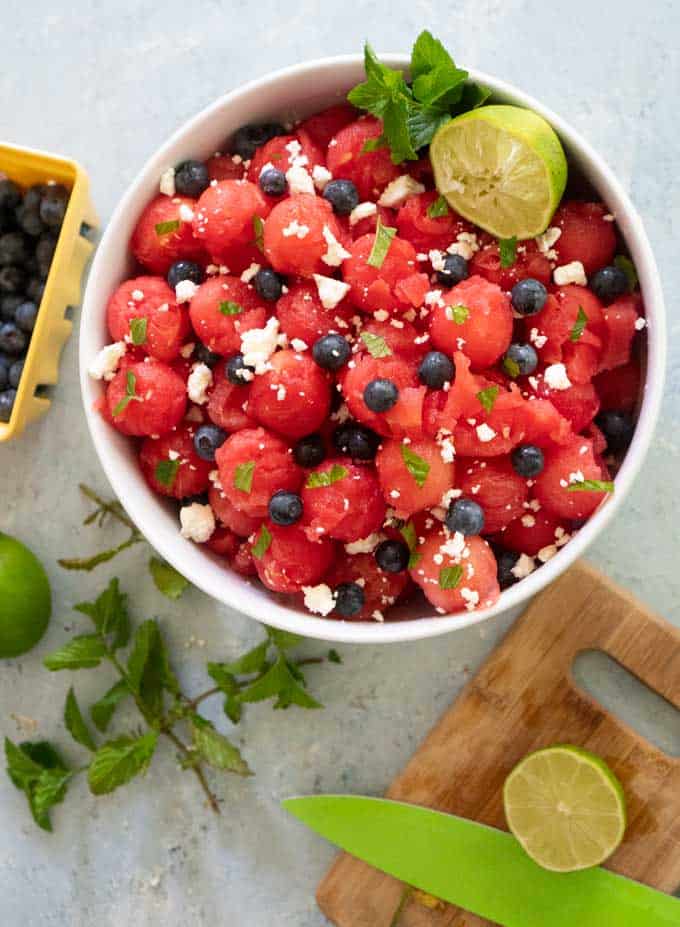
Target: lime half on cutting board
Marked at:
566, 808
25, 598
501, 167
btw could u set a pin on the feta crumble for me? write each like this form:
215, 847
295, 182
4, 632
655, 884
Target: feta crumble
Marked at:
524, 566
362, 211
197, 522
167, 182
331, 291
294, 228
321, 176
250, 272
335, 253
319, 599
570, 273
297, 344
399, 190
546, 241
299, 180
185, 291
106, 362
485, 433
186, 213
258, 345
364, 545
556, 377
198, 383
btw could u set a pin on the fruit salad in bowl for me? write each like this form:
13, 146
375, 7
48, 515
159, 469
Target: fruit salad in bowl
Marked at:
370, 359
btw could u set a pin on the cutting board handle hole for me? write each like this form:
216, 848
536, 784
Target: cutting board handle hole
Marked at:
628, 698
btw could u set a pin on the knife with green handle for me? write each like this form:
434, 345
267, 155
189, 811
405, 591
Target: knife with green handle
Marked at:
482, 870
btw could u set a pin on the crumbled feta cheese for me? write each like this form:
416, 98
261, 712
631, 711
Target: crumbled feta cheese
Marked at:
362, 211
466, 245
528, 521
294, 228
524, 566
364, 545
576, 477
335, 253
447, 450
321, 176
199, 380
449, 496
137, 295
434, 298
608, 217
197, 521
556, 377
173, 455
573, 272
280, 393
437, 259
167, 182
319, 599
258, 345
470, 597
214, 477
299, 180
297, 344
267, 167
105, 364
187, 350
546, 553
454, 546
378, 615
331, 291
381, 315
485, 433
535, 338
547, 240
185, 290
640, 324
250, 272
399, 190
186, 213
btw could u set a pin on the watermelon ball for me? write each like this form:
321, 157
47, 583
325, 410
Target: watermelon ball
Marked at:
436, 369
224, 217
222, 309
342, 195
506, 561
565, 465
380, 588
586, 235
297, 235
392, 556
321, 127
146, 398
291, 559
237, 371
285, 152
171, 465
273, 182
618, 429
309, 451
191, 178
165, 326
253, 464
454, 271
268, 284
185, 270
228, 403
381, 395
249, 138
530, 532
331, 352
355, 380
413, 476
348, 159
162, 234
356, 441
494, 485
349, 599
207, 439
528, 296
293, 398
343, 501
375, 288
520, 360
285, 508
527, 460
241, 524
465, 516
609, 283
435, 573
301, 314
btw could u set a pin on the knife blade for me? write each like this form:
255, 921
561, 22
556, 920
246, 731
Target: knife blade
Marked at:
481, 869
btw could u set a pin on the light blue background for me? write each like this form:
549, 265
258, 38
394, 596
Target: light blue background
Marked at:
106, 83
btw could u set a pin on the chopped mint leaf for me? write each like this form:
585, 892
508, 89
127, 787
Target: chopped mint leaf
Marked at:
591, 486
408, 532
376, 345
373, 144
165, 472
450, 577
334, 656
459, 314
258, 232
120, 760
579, 325
165, 228
130, 394
626, 265
138, 330
507, 248
487, 397
167, 579
511, 367
416, 465
438, 208
322, 478
227, 307
243, 476
261, 545
381, 244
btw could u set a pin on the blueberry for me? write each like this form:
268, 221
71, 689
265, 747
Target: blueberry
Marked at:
520, 360
349, 599
8, 306
205, 355
505, 561
331, 352
273, 182
357, 441
10, 194
29, 220
44, 252
53, 205
25, 316
268, 284
342, 195
33, 196
455, 269
191, 178
7, 220
528, 296
380, 395
465, 516
527, 460
184, 270
249, 138
392, 556
7, 404
12, 279
13, 248
12, 340
15, 372
285, 508
609, 283
618, 429
207, 439
35, 289
309, 451
235, 371
436, 369
5, 366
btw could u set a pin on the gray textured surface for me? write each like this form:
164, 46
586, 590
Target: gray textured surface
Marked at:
106, 83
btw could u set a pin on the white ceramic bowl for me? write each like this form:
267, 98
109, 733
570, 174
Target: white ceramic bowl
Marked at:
299, 91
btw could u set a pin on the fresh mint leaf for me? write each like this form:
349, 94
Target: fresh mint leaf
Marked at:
232, 709
459, 314
261, 545
102, 710
243, 476
251, 662
166, 228
408, 532
138, 327
416, 465
167, 579
507, 248
166, 472
118, 761
396, 131
318, 479
109, 614
381, 244
280, 683
376, 345
224, 679
228, 307
423, 123
438, 208
487, 397
436, 79
258, 232
373, 144
591, 486
626, 265
333, 656
21, 768
450, 577
75, 723
130, 394
36, 769
284, 640
149, 671
579, 325
216, 749
82, 652
49, 790
473, 96
511, 367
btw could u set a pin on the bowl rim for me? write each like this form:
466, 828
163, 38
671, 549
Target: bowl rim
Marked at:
294, 619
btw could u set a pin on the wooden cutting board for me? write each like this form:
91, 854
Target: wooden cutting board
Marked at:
524, 697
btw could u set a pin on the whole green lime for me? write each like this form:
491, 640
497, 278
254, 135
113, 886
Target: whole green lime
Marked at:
25, 598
